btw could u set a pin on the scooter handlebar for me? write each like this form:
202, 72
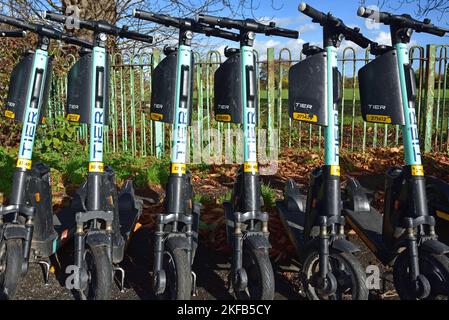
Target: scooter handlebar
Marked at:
45, 31
186, 23
99, 26
403, 20
247, 25
351, 34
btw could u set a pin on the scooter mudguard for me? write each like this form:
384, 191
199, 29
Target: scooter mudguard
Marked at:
177, 241
258, 241
14, 231
228, 87
435, 247
163, 88
97, 239
307, 90
438, 201
344, 245
20, 86
80, 79
380, 90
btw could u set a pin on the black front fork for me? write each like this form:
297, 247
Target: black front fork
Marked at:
327, 203
406, 206
95, 225
249, 222
179, 223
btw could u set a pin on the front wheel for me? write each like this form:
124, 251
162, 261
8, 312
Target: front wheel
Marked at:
259, 270
347, 270
11, 259
179, 275
435, 268
100, 274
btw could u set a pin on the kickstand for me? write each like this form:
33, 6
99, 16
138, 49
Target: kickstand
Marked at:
46, 269
122, 277
194, 291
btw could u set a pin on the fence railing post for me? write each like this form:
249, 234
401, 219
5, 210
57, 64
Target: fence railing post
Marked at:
158, 126
271, 91
427, 114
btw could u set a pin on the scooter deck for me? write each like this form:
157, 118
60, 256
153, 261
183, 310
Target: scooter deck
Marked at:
368, 226
293, 222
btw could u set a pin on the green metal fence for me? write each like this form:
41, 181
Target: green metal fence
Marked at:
130, 129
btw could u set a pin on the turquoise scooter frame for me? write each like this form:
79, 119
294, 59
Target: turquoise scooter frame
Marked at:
404, 236
105, 218
176, 236
251, 275
27, 223
315, 221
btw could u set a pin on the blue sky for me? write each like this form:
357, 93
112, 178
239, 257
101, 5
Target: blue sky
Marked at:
288, 16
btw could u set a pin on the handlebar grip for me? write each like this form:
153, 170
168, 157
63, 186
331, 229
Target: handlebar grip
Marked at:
54, 16
208, 19
433, 30
133, 35
311, 12
16, 23
76, 41
287, 33
378, 16
12, 33
210, 31
157, 18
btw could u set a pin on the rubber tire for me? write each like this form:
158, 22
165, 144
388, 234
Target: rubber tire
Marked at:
179, 274
348, 259
262, 286
100, 284
400, 268
11, 276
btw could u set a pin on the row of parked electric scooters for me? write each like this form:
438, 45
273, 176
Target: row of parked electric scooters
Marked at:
100, 218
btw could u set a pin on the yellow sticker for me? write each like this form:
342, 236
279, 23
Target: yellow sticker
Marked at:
96, 167
24, 164
252, 167
73, 117
378, 118
305, 117
178, 168
223, 117
10, 114
156, 116
418, 170
443, 215
335, 171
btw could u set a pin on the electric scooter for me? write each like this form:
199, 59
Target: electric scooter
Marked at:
314, 220
405, 235
99, 218
236, 102
176, 236
26, 224
105, 218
